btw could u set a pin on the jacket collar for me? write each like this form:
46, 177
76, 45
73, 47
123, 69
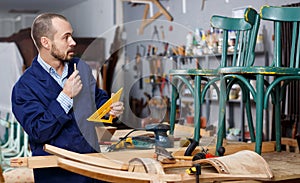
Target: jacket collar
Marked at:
42, 74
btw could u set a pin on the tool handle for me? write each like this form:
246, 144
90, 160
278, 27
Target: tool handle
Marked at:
191, 147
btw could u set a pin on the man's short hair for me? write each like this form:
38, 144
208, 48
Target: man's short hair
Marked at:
42, 26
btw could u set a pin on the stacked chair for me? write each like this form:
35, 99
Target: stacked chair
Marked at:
14, 142
281, 74
243, 54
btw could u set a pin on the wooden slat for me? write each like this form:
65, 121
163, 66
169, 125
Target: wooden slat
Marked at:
284, 165
103, 162
230, 148
289, 142
125, 156
137, 177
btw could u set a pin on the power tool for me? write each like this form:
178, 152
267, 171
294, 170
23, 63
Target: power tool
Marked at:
161, 136
161, 139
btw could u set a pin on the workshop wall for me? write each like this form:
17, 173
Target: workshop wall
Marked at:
185, 20
96, 18
190, 18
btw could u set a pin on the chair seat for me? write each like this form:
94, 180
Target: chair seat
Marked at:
282, 71
196, 72
20, 175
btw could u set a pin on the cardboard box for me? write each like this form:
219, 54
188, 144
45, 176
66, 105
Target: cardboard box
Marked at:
105, 133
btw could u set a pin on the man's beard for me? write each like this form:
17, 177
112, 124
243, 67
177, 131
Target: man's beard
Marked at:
60, 55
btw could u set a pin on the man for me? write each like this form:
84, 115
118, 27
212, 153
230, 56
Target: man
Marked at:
55, 95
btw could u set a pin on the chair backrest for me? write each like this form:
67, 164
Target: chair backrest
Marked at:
280, 16
244, 31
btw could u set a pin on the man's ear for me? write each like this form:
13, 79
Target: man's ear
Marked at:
45, 42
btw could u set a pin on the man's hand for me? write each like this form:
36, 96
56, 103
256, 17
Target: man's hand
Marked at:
116, 109
73, 85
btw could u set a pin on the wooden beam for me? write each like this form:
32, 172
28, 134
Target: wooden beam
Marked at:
102, 162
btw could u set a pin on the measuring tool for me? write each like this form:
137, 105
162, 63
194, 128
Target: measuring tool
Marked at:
98, 116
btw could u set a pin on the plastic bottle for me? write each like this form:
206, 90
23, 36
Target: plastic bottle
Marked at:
189, 44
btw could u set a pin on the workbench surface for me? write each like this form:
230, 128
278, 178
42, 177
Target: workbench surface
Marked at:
284, 165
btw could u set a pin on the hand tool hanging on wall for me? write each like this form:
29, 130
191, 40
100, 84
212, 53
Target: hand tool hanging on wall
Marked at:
153, 68
166, 44
202, 4
113, 59
162, 32
163, 84
155, 33
139, 66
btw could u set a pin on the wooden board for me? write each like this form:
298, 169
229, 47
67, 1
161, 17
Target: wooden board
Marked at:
126, 155
137, 177
188, 131
103, 162
284, 165
289, 142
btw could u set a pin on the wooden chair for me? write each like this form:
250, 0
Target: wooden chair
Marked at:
15, 141
246, 30
282, 75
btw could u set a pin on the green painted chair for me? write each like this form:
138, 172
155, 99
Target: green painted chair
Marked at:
282, 75
246, 30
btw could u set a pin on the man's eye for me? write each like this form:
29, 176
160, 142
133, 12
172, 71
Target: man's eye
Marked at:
69, 37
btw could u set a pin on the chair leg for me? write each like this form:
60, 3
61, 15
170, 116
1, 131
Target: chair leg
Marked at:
246, 100
259, 112
222, 115
277, 119
197, 108
197, 114
250, 119
173, 109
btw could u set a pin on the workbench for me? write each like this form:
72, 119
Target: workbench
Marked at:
284, 165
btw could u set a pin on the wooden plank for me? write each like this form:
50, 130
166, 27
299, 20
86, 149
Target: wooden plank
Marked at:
230, 148
102, 173
137, 177
284, 165
20, 161
103, 162
50, 161
289, 142
41, 161
34, 162
188, 131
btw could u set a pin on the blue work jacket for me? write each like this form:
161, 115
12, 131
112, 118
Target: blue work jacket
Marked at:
35, 107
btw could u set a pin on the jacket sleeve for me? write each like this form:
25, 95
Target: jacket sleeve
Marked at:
101, 97
41, 117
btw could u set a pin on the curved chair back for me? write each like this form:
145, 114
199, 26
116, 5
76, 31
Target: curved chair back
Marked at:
281, 15
245, 30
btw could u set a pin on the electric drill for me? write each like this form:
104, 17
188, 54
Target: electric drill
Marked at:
160, 132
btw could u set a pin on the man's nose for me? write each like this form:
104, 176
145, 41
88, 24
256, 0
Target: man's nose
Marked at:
72, 42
